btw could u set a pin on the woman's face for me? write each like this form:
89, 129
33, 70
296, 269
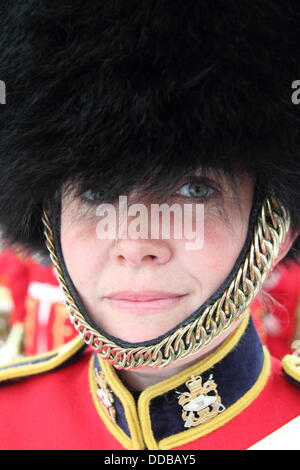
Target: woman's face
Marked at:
110, 274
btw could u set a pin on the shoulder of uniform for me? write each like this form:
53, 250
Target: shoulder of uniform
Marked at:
291, 367
41, 363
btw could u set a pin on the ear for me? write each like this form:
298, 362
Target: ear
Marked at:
287, 244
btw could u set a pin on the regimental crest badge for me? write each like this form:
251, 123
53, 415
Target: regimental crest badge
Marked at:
105, 395
201, 403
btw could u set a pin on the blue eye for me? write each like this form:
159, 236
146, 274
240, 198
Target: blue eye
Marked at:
196, 189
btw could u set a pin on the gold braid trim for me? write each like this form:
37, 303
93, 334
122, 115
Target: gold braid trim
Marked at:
271, 227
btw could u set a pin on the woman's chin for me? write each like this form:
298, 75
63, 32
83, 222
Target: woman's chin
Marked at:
133, 326
136, 336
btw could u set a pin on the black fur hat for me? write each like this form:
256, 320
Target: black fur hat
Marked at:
113, 93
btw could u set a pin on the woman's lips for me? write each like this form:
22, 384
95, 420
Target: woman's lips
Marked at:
144, 300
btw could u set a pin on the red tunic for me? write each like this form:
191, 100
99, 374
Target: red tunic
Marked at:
58, 410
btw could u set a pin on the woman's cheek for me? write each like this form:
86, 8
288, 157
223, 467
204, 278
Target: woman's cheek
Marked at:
217, 255
83, 254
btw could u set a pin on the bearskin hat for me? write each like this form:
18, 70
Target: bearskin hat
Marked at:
114, 93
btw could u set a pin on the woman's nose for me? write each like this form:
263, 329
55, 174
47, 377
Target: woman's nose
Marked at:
141, 251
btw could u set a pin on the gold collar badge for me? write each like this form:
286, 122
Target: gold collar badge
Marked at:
201, 403
105, 395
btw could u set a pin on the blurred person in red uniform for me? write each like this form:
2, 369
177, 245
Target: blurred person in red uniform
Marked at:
38, 320
277, 311
186, 103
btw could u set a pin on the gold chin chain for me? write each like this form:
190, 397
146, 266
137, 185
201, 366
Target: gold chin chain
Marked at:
271, 227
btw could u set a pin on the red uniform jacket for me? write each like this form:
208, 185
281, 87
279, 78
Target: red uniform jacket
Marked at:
242, 396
